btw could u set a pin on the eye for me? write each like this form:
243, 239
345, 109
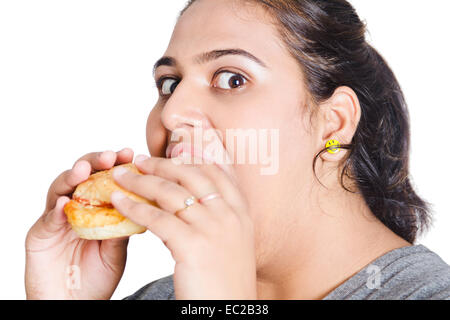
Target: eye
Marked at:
230, 80
167, 85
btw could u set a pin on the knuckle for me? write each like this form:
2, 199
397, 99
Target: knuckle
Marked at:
57, 182
96, 159
134, 180
231, 220
93, 155
197, 242
150, 216
97, 156
200, 173
88, 156
160, 167
236, 221
210, 186
136, 206
67, 177
166, 185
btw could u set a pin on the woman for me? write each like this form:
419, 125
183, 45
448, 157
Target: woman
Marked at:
336, 219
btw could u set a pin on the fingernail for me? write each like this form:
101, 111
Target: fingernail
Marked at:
61, 202
117, 196
119, 171
141, 157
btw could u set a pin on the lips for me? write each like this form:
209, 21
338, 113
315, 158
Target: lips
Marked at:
175, 149
169, 150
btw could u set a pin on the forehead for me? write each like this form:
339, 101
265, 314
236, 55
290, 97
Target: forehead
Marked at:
212, 24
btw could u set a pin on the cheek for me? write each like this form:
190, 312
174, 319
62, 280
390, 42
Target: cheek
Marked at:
270, 196
156, 134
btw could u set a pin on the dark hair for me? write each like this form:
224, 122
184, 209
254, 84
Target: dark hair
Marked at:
327, 38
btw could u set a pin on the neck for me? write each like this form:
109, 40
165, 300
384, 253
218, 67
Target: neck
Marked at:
324, 250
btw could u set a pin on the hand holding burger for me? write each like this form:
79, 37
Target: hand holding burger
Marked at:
201, 217
54, 250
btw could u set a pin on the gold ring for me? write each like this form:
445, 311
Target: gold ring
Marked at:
188, 202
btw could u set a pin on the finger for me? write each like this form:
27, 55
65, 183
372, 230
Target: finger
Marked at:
100, 160
55, 219
190, 177
67, 181
124, 156
227, 189
168, 195
218, 154
171, 230
201, 180
107, 159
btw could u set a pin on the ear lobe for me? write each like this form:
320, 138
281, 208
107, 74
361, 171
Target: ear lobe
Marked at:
342, 114
333, 156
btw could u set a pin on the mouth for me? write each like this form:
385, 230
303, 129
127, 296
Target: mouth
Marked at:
207, 156
175, 149
171, 152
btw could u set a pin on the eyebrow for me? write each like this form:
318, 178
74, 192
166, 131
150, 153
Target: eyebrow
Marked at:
208, 56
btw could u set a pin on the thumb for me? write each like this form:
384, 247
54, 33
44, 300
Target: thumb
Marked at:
54, 220
47, 227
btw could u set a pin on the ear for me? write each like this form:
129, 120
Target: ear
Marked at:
339, 119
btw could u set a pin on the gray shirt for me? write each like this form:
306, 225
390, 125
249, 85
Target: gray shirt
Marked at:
412, 272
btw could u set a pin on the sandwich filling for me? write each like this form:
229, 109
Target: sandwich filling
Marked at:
85, 215
91, 205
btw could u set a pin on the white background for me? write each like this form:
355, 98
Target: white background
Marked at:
76, 77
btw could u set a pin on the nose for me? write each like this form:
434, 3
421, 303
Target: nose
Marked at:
185, 108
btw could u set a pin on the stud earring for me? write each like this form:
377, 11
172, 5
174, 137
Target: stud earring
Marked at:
333, 146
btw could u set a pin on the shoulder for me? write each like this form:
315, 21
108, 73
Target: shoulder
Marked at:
412, 272
161, 289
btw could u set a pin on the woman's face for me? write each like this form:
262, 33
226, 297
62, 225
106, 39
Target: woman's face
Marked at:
246, 95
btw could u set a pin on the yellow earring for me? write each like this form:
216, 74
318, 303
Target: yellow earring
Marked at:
333, 146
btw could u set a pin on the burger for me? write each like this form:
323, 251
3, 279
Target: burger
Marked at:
91, 214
